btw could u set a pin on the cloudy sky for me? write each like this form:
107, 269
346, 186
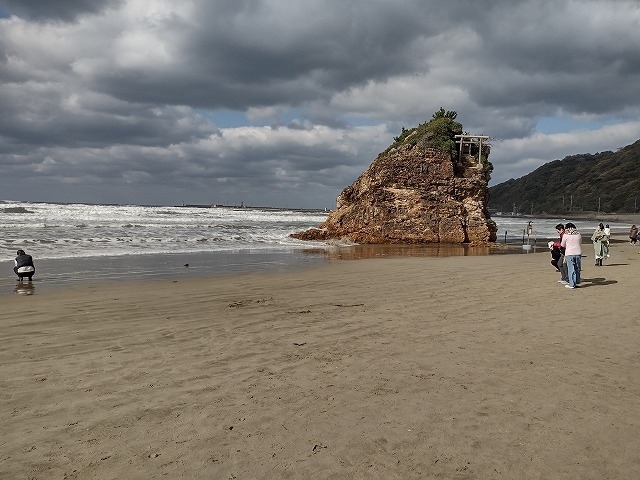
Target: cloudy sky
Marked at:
286, 102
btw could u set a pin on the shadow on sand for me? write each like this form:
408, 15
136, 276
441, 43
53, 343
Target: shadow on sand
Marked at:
595, 282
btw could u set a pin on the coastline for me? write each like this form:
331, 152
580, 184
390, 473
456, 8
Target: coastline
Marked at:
56, 274
53, 274
630, 218
64, 274
387, 367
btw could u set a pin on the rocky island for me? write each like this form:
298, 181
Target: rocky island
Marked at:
429, 186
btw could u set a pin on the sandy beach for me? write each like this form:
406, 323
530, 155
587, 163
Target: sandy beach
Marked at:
466, 367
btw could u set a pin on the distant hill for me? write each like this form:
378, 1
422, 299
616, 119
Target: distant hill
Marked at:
608, 182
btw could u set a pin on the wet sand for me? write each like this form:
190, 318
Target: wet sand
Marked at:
56, 274
393, 367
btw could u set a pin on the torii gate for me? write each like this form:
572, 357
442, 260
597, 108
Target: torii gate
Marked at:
471, 140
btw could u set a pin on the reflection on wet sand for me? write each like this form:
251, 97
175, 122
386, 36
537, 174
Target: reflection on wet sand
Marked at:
356, 252
25, 288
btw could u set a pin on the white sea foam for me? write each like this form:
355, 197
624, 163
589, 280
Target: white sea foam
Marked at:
76, 230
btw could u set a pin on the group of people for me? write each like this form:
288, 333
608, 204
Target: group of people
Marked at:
566, 252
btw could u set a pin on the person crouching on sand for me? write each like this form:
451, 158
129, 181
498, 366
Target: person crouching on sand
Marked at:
24, 265
572, 243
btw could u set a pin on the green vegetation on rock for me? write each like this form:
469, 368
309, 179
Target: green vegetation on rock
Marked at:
438, 133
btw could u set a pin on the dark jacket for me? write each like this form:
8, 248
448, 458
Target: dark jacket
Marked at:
24, 261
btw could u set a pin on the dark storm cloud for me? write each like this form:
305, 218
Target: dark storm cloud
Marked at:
122, 94
240, 54
223, 174
66, 10
59, 119
573, 55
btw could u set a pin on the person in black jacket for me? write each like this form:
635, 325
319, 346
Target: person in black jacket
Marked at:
633, 235
24, 266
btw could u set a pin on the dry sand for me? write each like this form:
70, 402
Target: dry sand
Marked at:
395, 368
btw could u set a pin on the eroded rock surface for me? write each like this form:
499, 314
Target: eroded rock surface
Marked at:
411, 194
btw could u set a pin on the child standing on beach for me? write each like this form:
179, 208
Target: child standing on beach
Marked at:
555, 255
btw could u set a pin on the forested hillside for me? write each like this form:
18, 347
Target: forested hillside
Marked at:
608, 182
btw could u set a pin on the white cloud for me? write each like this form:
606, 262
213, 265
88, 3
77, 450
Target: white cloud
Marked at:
515, 157
117, 95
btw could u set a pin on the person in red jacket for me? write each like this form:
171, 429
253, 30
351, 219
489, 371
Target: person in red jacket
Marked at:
560, 264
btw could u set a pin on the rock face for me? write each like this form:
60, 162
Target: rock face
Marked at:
412, 194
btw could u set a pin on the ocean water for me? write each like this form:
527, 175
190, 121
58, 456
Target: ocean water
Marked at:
74, 243
54, 231
78, 242
76, 230
544, 229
